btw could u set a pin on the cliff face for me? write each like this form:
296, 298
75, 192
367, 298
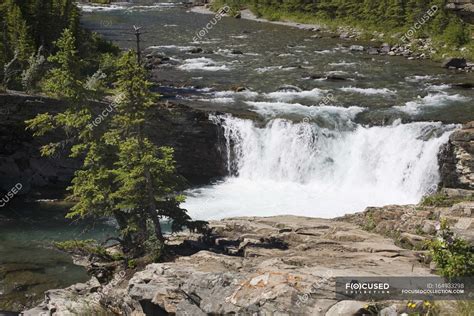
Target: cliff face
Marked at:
456, 159
194, 137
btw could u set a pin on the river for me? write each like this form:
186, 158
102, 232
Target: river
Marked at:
298, 143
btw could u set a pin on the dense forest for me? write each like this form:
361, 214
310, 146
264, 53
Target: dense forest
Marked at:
30, 29
391, 17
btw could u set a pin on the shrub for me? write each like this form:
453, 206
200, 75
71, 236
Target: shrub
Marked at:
453, 256
31, 76
456, 34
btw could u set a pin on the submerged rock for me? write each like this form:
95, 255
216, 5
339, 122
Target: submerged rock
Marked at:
289, 88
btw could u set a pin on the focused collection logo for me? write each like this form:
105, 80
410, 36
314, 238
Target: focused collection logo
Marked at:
356, 287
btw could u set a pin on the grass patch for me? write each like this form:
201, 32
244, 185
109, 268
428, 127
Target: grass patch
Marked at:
442, 200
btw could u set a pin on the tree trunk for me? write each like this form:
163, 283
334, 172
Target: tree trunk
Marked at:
152, 206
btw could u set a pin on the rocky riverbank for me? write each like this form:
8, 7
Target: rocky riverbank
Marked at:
420, 48
282, 265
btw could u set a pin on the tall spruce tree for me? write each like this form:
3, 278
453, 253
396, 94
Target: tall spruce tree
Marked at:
123, 174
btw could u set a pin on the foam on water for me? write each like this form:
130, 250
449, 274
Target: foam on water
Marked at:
430, 100
285, 96
273, 109
369, 91
202, 63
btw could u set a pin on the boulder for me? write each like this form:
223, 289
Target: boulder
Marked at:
344, 35
357, 48
389, 311
343, 308
385, 48
240, 89
373, 51
454, 63
280, 265
463, 85
333, 77
412, 241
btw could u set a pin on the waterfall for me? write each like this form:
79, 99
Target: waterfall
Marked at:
304, 169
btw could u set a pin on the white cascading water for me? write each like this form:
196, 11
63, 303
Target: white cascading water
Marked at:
302, 169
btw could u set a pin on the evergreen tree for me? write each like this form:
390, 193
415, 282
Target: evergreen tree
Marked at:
64, 80
146, 174
124, 174
18, 32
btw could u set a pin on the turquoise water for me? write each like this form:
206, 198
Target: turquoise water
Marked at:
29, 265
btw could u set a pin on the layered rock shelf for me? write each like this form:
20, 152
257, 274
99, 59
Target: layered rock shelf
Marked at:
194, 138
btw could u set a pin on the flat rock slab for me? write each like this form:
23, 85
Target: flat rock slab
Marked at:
281, 265
288, 266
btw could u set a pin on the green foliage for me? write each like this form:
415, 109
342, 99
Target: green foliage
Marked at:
64, 80
388, 16
370, 223
442, 200
123, 173
30, 24
132, 264
83, 247
453, 256
465, 308
456, 34
32, 75
17, 31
